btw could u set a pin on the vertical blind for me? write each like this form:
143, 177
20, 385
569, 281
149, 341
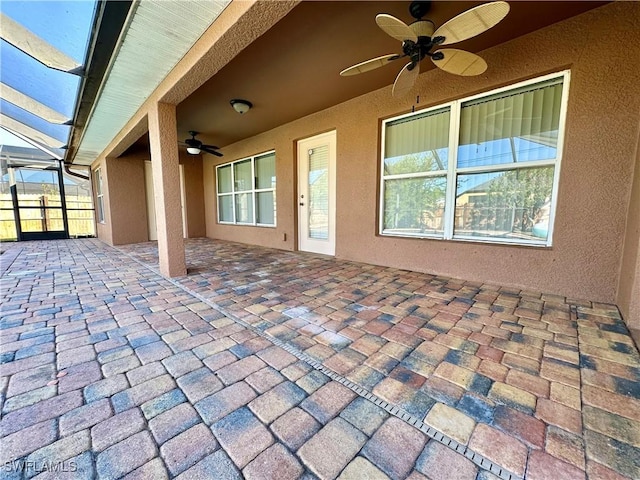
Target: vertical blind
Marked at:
422, 133
530, 113
319, 193
266, 171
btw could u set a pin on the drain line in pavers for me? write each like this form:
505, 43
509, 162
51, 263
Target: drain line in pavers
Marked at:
431, 432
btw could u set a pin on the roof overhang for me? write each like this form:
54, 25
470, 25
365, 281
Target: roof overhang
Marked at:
155, 37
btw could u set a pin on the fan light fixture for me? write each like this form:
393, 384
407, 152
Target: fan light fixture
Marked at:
421, 37
241, 106
195, 146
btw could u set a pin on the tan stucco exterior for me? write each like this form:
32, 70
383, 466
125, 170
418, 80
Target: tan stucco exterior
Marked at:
125, 198
629, 289
595, 252
125, 213
194, 193
599, 158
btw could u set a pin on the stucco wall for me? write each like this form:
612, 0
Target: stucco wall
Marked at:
127, 203
602, 124
629, 289
194, 194
125, 198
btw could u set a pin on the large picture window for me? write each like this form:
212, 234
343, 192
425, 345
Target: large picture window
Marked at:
484, 168
246, 191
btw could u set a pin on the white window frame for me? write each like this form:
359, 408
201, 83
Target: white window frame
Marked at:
253, 191
453, 171
100, 216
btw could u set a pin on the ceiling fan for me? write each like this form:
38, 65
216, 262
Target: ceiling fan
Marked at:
195, 146
421, 37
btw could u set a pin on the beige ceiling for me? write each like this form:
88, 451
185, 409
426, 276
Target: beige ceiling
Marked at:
293, 69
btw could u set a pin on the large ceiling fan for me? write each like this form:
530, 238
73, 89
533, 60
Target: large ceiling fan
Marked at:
195, 146
421, 37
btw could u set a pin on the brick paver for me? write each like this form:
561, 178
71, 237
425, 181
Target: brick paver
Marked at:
109, 370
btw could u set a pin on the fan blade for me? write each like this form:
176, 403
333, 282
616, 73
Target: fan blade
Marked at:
213, 147
208, 149
396, 28
460, 62
405, 80
369, 65
472, 22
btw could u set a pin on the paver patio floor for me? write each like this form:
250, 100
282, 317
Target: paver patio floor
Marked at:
262, 363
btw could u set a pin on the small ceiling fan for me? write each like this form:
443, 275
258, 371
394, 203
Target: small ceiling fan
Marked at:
195, 146
421, 37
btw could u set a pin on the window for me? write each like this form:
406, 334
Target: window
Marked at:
246, 191
484, 168
99, 195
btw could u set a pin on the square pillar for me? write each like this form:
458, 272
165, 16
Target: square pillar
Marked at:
163, 140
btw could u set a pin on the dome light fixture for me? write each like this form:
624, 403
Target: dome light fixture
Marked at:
241, 106
193, 150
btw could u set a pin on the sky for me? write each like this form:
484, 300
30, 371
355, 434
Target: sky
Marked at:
7, 138
65, 25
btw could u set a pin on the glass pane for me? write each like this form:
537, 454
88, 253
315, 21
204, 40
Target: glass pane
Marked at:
100, 209
414, 206
266, 208
77, 192
41, 220
319, 193
242, 176
81, 223
513, 204
417, 144
244, 207
516, 126
37, 187
224, 179
266, 171
8, 230
225, 208
98, 179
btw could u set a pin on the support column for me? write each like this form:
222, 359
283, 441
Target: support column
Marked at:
163, 139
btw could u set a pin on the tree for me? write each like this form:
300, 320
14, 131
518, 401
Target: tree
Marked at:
414, 203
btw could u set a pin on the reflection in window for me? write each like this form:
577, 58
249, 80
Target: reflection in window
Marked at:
495, 182
519, 125
507, 204
415, 206
246, 191
99, 195
415, 174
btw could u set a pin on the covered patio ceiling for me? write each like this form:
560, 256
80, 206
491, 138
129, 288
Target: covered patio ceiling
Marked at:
289, 72
293, 70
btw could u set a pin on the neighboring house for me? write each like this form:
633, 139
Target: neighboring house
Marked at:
557, 114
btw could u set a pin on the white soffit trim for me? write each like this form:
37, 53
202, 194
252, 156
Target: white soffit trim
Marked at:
160, 33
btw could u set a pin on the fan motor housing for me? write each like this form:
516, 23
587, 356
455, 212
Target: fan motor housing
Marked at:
423, 28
